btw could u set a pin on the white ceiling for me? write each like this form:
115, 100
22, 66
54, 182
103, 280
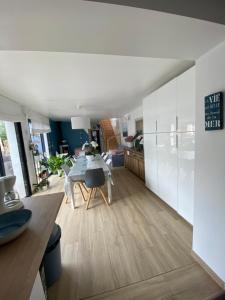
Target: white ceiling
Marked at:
103, 85
124, 52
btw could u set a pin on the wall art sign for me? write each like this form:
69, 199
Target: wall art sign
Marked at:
125, 128
214, 111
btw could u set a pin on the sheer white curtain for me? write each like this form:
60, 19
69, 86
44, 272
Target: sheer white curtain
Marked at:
40, 124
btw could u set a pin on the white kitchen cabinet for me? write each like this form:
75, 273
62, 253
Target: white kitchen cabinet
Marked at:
167, 168
150, 154
186, 101
186, 158
169, 125
150, 112
167, 102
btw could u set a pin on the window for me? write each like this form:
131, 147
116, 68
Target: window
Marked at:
12, 156
40, 150
7, 168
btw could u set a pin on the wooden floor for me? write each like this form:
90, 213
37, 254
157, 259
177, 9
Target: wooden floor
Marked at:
136, 249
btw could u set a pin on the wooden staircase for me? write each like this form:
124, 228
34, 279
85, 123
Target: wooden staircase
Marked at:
110, 139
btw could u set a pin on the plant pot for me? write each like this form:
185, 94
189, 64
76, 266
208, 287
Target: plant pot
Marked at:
60, 173
130, 144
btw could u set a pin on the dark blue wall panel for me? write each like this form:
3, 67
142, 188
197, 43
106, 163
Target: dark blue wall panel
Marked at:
75, 137
55, 137
63, 131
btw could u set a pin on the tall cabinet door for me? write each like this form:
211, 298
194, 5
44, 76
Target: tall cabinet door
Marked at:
186, 157
186, 101
150, 153
150, 113
167, 102
167, 168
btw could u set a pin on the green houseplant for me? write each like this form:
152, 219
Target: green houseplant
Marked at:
44, 184
54, 163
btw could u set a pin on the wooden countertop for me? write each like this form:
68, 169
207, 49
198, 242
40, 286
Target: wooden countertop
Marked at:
21, 258
135, 152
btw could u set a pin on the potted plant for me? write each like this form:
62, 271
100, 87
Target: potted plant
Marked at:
90, 149
43, 174
129, 141
43, 185
54, 163
138, 143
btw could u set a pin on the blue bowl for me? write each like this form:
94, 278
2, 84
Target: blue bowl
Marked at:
13, 223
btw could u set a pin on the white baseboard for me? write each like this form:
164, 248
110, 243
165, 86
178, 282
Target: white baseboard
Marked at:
214, 276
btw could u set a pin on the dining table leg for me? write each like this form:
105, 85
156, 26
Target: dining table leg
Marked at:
109, 189
71, 187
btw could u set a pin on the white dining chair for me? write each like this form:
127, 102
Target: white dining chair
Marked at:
109, 162
105, 156
66, 170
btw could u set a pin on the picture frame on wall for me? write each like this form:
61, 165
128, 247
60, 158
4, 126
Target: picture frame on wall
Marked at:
125, 128
214, 112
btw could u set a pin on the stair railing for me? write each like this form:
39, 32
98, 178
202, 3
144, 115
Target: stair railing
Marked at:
115, 138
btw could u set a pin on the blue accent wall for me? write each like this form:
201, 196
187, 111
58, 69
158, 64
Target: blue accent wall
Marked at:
55, 137
62, 130
74, 137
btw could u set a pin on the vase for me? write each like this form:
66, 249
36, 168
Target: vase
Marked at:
45, 187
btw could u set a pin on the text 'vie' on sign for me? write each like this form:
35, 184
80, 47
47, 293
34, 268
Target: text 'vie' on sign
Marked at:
214, 111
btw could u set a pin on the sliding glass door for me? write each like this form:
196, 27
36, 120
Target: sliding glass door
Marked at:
40, 151
2, 169
23, 158
12, 156
6, 165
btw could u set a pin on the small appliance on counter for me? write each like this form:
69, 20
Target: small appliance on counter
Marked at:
9, 199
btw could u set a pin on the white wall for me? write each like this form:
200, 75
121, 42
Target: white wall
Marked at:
131, 117
209, 207
10, 110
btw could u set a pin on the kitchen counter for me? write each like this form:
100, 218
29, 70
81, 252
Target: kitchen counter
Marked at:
20, 259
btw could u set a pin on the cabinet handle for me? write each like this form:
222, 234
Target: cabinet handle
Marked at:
156, 140
176, 141
156, 125
176, 123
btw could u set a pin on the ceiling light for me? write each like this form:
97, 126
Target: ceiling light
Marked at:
80, 123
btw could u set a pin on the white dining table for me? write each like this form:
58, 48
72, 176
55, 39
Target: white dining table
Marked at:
77, 173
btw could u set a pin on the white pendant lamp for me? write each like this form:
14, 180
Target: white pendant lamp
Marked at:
80, 123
